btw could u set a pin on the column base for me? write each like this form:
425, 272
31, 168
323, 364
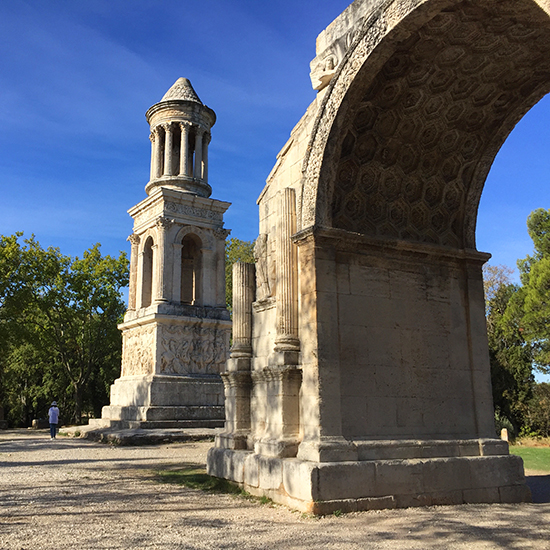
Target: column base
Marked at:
327, 449
234, 441
282, 448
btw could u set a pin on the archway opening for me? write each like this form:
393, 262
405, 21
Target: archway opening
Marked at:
191, 270
147, 273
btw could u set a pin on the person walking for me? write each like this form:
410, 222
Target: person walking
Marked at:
53, 416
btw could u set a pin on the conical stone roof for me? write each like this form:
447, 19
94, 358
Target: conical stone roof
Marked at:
181, 91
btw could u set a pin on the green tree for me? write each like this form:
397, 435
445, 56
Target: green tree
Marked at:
495, 276
510, 358
534, 298
67, 311
538, 417
235, 251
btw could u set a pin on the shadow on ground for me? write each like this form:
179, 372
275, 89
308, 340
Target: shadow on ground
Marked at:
540, 488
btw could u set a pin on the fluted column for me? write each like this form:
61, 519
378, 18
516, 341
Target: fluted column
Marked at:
198, 153
243, 296
184, 149
134, 240
237, 380
168, 151
157, 157
205, 142
152, 174
287, 277
163, 225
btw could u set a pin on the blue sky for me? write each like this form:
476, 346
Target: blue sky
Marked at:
78, 77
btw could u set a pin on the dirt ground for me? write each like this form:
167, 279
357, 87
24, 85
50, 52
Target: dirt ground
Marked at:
73, 493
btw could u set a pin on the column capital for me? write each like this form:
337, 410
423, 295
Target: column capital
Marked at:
222, 234
185, 124
134, 239
164, 223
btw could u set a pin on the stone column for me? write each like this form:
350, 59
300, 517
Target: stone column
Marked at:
205, 142
184, 149
176, 272
243, 296
219, 281
161, 290
157, 157
237, 380
139, 280
198, 153
208, 279
152, 174
134, 239
168, 150
286, 341
280, 381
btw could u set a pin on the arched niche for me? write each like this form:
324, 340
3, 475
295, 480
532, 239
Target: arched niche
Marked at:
191, 270
416, 113
147, 272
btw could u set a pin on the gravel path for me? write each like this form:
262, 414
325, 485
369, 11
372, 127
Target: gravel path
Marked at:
72, 493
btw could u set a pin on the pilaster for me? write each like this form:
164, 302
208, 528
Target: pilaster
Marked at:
287, 343
134, 240
162, 294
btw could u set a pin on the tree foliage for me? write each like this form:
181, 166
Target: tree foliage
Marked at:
534, 299
235, 251
510, 358
58, 319
518, 327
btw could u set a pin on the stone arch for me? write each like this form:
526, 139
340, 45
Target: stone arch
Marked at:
191, 270
147, 270
417, 111
192, 241
204, 236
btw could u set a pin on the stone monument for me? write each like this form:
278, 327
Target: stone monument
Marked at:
360, 377
176, 330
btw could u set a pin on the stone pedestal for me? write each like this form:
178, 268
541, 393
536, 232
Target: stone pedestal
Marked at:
171, 372
438, 472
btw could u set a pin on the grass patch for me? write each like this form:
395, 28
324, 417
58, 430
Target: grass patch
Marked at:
197, 478
534, 458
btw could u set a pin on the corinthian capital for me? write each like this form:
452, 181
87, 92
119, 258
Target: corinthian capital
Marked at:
164, 223
222, 234
134, 239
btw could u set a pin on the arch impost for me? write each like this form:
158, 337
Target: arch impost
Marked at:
351, 241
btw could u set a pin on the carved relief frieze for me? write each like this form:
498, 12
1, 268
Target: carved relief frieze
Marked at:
146, 215
192, 349
266, 277
138, 351
193, 211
